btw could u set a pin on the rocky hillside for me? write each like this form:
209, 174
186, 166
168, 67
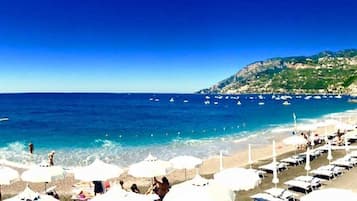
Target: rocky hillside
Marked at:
326, 72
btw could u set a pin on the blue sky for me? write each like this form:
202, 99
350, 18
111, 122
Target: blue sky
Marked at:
158, 45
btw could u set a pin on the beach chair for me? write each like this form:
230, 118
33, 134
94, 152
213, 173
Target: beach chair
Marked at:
335, 169
293, 160
281, 193
270, 167
301, 185
323, 173
343, 163
265, 197
314, 181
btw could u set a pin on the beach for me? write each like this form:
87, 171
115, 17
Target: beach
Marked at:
261, 154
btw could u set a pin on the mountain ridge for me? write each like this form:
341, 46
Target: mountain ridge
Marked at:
324, 72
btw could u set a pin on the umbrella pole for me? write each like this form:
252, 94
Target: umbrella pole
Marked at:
185, 174
45, 187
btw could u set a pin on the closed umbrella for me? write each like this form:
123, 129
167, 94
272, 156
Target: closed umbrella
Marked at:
199, 189
42, 174
150, 167
307, 164
185, 162
7, 175
97, 171
330, 194
238, 179
329, 152
275, 171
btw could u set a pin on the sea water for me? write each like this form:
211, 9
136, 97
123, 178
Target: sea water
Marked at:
124, 128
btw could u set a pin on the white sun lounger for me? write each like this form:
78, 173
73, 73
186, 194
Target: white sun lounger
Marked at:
299, 184
270, 167
314, 181
265, 197
325, 173
335, 169
293, 160
343, 163
281, 193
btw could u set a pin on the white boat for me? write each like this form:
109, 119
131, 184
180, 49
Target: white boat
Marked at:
156, 100
239, 103
151, 99
172, 100
261, 97
261, 103
216, 103
185, 101
307, 97
207, 102
338, 96
286, 103
4, 119
207, 97
317, 97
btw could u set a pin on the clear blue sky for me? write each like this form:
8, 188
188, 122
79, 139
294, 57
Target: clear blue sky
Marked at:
161, 46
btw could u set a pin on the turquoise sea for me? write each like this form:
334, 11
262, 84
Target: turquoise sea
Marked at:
124, 128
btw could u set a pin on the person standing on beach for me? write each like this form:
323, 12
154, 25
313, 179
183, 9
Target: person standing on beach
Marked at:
31, 147
50, 158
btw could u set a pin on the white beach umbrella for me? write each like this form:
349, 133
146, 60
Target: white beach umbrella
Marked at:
330, 194
7, 175
275, 171
295, 140
329, 152
250, 161
185, 162
117, 193
97, 171
238, 179
150, 167
307, 164
199, 189
40, 174
29, 194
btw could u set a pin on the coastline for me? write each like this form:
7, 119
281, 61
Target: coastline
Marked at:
260, 152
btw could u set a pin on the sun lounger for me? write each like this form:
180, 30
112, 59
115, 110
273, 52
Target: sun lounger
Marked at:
261, 173
324, 173
314, 181
281, 193
293, 160
270, 167
343, 163
299, 184
265, 197
335, 169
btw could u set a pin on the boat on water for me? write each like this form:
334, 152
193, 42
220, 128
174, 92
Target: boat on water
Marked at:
172, 100
207, 102
286, 103
4, 119
307, 97
216, 103
239, 103
261, 103
338, 96
185, 101
317, 97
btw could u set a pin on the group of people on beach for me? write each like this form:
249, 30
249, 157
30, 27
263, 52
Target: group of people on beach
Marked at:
161, 188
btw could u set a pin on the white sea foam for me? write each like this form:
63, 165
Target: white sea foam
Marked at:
114, 152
